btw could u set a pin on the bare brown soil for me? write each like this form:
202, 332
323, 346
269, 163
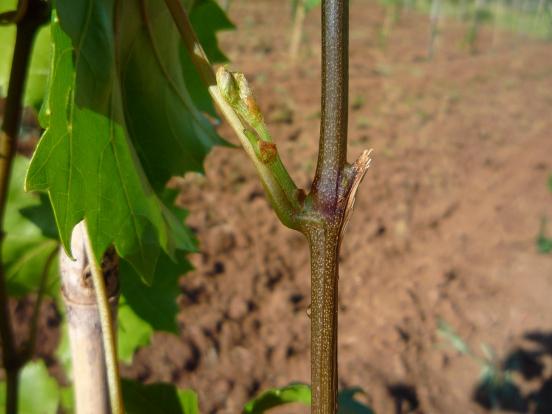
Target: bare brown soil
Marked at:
444, 226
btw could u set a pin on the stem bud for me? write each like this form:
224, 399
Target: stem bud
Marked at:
227, 85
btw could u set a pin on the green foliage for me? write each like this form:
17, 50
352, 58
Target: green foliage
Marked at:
448, 333
311, 4
349, 405
144, 309
301, 394
544, 244
495, 388
39, 65
66, 401
307, 4
28, 244
120, 118
274, 397
38, 392
506, 15
207, 18
158, 398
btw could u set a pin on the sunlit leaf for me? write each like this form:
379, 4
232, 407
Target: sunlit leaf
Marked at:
133, 332
66, 400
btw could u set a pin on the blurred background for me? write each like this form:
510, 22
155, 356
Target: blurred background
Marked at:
446, 267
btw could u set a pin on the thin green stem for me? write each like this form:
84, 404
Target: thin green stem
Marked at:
108, 329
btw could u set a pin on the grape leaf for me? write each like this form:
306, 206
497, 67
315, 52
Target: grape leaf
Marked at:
158, 398
155, 304
40, 60
207, 18
133, 332
38, 392
66, 400
119, 123
26, 249
144, 309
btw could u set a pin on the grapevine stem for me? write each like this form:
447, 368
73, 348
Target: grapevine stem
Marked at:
333, 191
326, 210
108, 329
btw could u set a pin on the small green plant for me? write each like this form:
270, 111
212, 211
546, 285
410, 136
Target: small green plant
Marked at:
299, 9
480, 15
544, 243
496, 388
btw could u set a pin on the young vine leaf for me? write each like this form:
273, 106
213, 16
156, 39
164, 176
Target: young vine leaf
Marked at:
120, 122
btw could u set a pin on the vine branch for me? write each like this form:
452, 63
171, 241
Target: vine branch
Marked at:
332, 152
323, 214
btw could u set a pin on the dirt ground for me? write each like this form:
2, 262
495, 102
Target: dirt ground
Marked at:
444, 226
